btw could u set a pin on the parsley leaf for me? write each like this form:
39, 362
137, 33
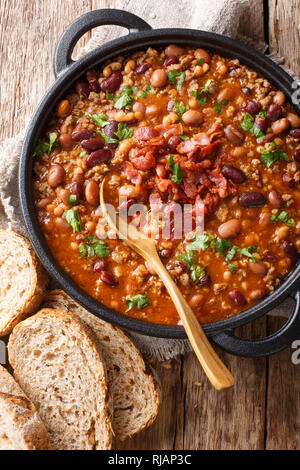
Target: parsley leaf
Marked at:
100, 119
73, 219
101, 249
139, 301
123, 132
42, 147
268, 157
218, 105
147, 91
200, 61
248, 125
83, 249
126, 98
94, 247
72, 199
248, 252
202, 94
197, 272
179, 107
184, 137
200, 242
172, 76
175, 169
283, 216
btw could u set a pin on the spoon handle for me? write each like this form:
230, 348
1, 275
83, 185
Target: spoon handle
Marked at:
216, 371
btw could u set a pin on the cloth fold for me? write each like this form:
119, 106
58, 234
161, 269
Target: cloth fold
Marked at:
220, 16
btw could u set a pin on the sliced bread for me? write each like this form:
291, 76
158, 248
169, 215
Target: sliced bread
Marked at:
59, 367
23, 280
135, 390
20, 425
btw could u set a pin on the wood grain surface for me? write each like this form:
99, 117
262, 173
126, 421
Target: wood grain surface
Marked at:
262, 411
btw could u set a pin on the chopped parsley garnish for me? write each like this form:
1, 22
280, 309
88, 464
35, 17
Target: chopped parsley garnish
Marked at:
72, 199
223, 246
248, 125
262, 114
197, 272
184, 137
219, 105
139, 301
175, 169
123, 132
268, 157
73, 219
147, 91
202, 95
200, 61
94, 247
42, 147
173, 75
83, 153
179, 107
283, 216
125, 99
100, 119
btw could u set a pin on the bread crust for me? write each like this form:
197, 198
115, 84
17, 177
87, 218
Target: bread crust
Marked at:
58, 298
22, 415
72, 323
37, 282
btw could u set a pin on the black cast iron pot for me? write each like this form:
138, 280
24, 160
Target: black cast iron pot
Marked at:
67, 72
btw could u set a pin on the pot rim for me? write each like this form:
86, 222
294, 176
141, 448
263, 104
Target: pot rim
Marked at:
126, 45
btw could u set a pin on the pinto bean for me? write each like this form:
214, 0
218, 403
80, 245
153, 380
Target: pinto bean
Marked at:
84, 134
153, 110
258, 268
256, 294
93, 81
239, 152
138, 107
233, 135
274, 199
97, 157
196, 300
108, 278
92, 144
159, 78
142, 68
63, 108
92, 193
170, 61
100, 265
293, 119
82, 88
253, 106
230, 228
112, 83
192, 118
55, 176
202, 54
265, 219
66, 141
280, 126
279, 98
274, 112
237, 297
173, 50
225, 94
290, 250
267, 138
234, 174
252, 199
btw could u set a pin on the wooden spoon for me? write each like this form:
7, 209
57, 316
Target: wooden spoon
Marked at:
217, 373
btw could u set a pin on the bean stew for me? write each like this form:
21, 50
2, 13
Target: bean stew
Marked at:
173, 127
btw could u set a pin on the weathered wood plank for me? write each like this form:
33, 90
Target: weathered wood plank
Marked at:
283, 399
284, 20
252, 23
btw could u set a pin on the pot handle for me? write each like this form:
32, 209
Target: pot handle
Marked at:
272, 344
92, 19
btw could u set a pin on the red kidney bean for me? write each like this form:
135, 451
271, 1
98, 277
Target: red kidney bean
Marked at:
261, 123
253, 106
111, 128
246, 90
205, 280
170, 106
290, 250
100, 265
252, 199
82, 88
92, 144
112, 83
237, 297
82, 135
271, 257
232, 67
108, 278
143, 67
55, 176
234, 174
171, 60
234, 135
93, 81
296, 155
145, 133
173, 142
97, 157
66, 141
267, 138
77, 189
274, 112
288, 180
295, 133
165, 253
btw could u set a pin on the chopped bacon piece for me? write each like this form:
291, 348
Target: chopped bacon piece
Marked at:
132, 174
197, 151
169, 131
163, 184
145, 161
190, 189
145, 133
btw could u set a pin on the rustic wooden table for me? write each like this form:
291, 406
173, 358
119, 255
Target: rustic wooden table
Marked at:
262, 411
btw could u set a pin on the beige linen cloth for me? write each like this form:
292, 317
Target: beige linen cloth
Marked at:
220, 16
